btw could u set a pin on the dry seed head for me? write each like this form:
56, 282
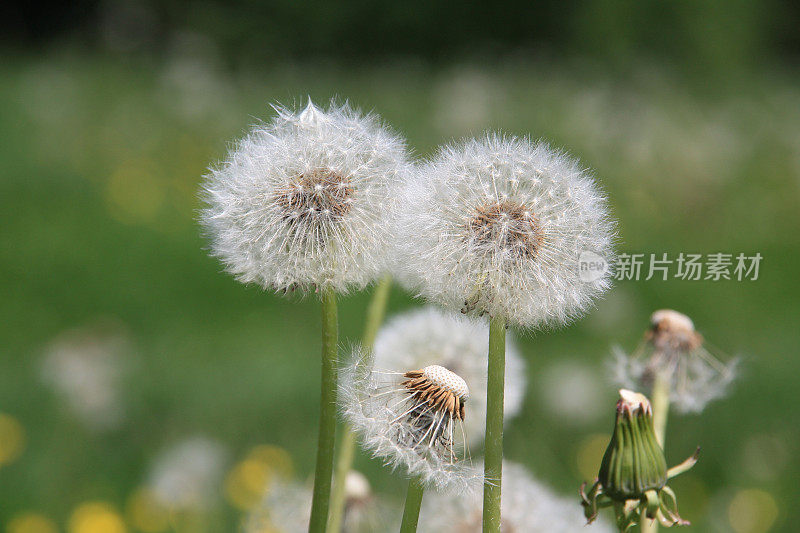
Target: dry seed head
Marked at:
411, 419
674, 331
674, 350
440, 388
432, 336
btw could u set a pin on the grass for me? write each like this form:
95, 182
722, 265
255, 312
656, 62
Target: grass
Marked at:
100, 166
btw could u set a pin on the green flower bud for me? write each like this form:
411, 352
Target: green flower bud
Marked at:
633, 474
634, 462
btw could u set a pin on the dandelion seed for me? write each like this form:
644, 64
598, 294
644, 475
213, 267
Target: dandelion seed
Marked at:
528, 507
498, 225
302, 202
431, 336
411, 419
674, 349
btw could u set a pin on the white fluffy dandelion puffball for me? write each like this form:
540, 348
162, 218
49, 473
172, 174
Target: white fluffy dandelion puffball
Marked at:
503, 226
528, 506
430, 336
301, 202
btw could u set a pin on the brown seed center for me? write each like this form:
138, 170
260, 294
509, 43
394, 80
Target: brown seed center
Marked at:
316, 195
437, 397
508, 225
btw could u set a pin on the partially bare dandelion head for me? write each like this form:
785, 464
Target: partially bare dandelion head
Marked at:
303, 201
411, 419
674, 350
432, 336
498, 225
672, 331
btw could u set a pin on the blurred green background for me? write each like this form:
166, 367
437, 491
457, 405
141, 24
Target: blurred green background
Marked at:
121, 338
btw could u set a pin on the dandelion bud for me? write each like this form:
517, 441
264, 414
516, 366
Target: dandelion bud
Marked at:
634, 462
633, 474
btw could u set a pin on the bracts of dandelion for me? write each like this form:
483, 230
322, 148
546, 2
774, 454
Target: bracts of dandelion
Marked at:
346, 449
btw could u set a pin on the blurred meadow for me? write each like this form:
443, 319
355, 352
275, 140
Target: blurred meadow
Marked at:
126, 349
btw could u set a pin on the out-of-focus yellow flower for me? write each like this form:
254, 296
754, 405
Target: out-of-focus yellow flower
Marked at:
31, 522
590, 454
248, 479
145, 513
96, 517
752, 511
12, 438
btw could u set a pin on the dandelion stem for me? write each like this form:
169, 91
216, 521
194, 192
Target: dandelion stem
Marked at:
327, 414
660, 402
493, 448
413, 503
346, 450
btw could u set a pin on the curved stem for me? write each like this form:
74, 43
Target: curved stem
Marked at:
327, 413
376, 310
493, 448
413, 504
660, 402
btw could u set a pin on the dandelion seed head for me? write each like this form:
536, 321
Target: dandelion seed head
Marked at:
498, 225
303, 201
527, 506
411, 419
672, 348
432, 336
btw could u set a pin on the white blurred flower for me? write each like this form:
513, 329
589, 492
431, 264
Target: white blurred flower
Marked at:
527, 506
674, 349
85, 368
498, 225
464, 99
286, 508
412, 419
302, 201
430, 336
569, 389
187, 475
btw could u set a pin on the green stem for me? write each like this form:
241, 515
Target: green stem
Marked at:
660, 401
376, 310
413, 504
493, 448
327, 413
